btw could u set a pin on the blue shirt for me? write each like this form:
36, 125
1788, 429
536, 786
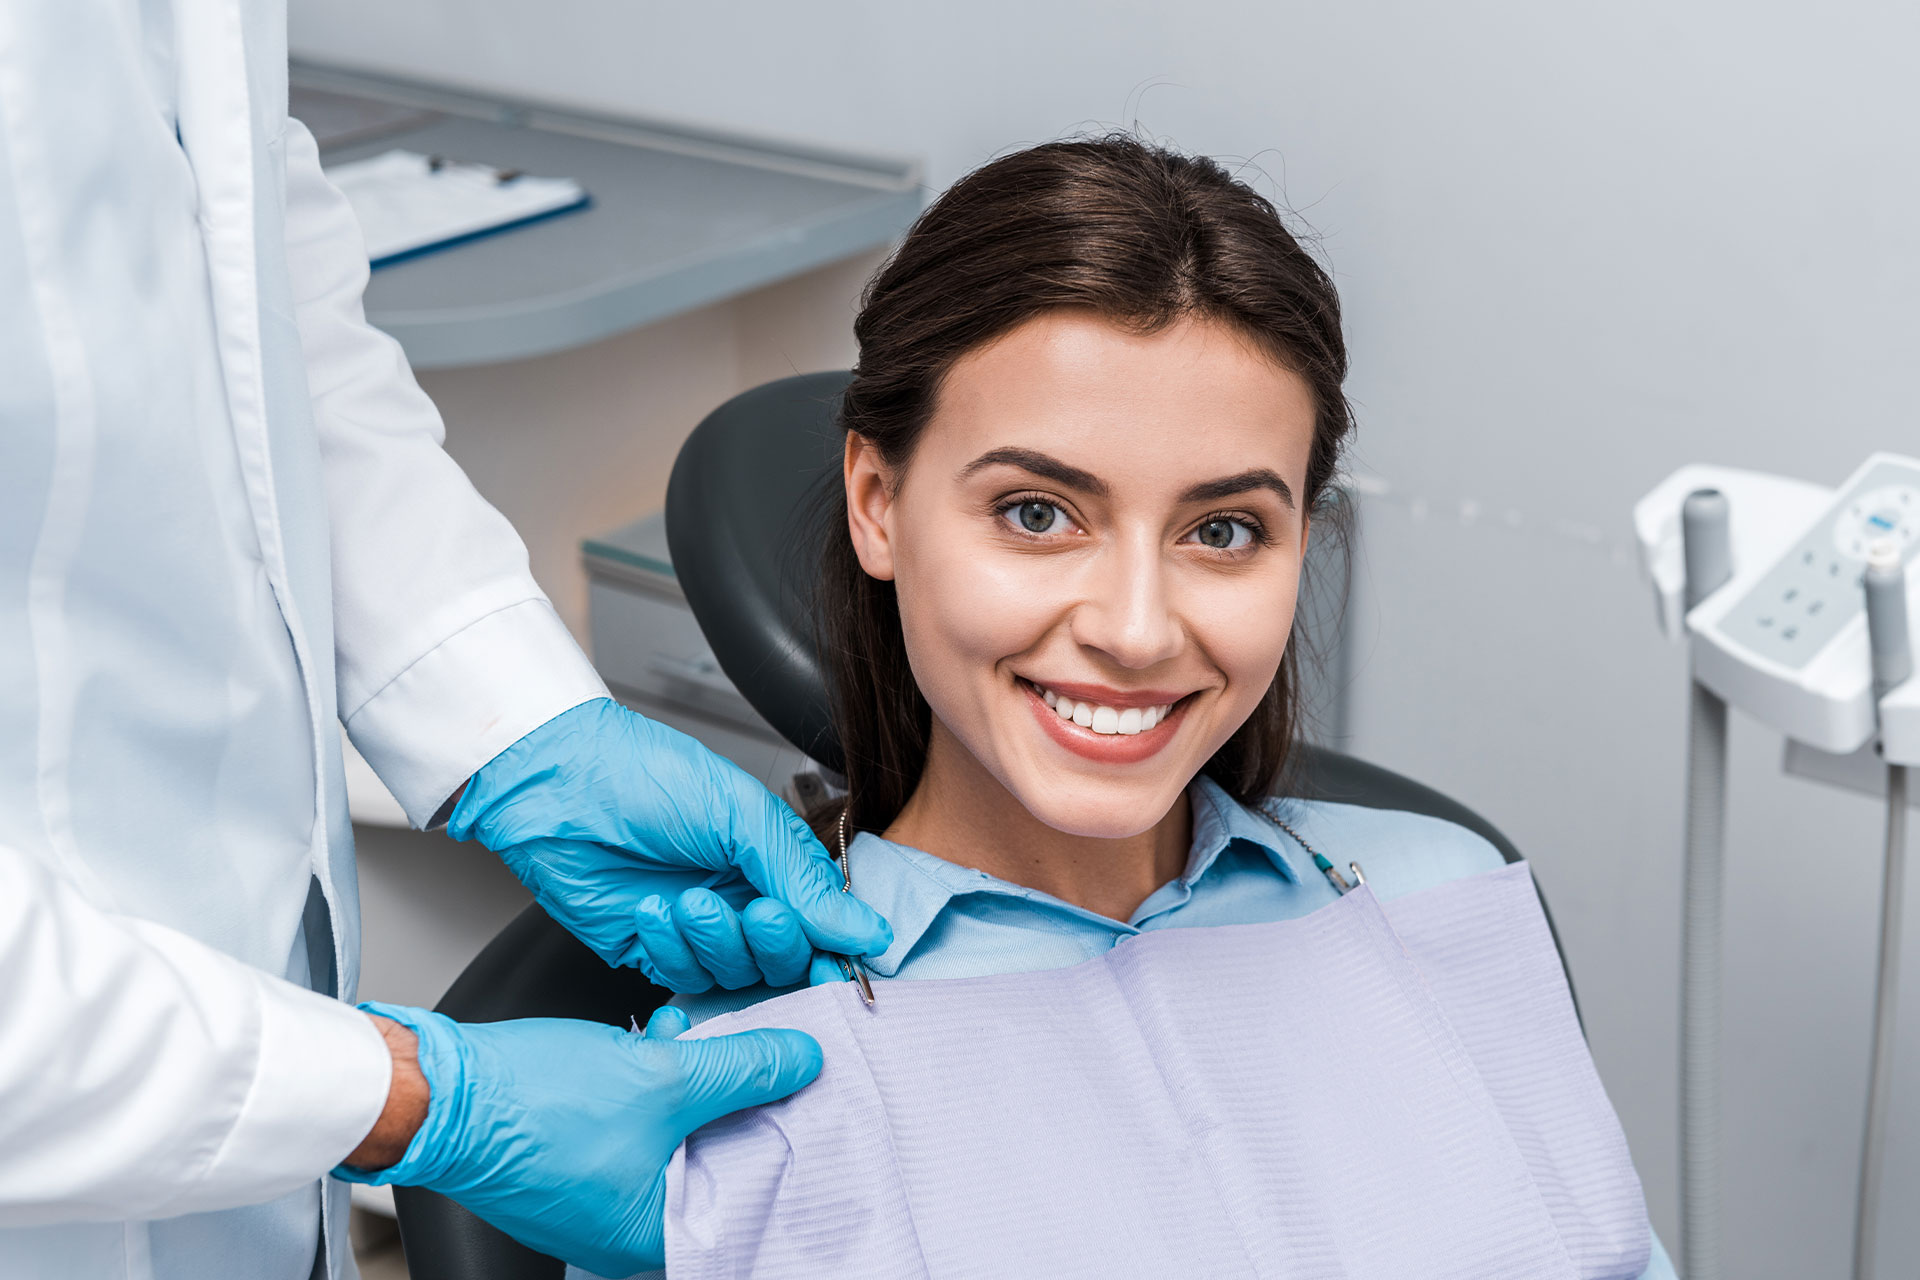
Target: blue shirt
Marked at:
951, 921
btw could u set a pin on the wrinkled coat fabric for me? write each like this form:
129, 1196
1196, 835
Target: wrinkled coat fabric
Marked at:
1428, 1107
226, 525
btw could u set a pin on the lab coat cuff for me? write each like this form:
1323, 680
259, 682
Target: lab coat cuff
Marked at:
435, 1144
468, 699
320, 1082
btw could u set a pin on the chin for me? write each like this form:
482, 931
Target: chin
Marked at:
1100, 811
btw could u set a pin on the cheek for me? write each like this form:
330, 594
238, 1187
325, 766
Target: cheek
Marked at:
1243, 629
962, 611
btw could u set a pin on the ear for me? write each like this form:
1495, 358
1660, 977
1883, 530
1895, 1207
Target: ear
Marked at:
869, 486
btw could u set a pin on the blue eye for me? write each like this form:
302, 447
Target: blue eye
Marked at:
1035, 516
1223, 534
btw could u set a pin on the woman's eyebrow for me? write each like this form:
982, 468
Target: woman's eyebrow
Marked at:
1073, 477
1040, 464
1228, 486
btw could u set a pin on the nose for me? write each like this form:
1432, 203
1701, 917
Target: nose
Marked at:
1127, 606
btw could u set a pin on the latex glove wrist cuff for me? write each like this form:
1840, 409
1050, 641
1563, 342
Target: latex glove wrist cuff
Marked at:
442, 1062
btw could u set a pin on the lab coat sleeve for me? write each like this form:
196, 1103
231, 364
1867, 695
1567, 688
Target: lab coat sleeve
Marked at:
144, 1074
446, 651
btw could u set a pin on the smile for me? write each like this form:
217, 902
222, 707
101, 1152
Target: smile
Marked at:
1101, 718
1099, 725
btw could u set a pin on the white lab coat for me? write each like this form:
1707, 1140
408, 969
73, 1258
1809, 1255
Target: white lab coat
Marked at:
226, 521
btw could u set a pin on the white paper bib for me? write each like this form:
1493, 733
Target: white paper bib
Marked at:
1363, 1093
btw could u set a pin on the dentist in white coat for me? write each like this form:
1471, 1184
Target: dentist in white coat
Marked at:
226, 525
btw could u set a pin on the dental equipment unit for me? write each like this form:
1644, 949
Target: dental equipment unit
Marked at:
1794, 601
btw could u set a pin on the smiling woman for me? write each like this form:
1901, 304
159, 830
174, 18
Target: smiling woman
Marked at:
1095, 418
1095, 527
1097, 406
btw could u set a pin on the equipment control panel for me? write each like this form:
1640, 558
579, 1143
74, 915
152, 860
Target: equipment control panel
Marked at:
1810, 594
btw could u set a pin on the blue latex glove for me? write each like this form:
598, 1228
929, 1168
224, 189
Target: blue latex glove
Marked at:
558, 1132
657, 853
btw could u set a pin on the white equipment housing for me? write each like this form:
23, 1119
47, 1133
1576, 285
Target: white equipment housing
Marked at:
1785, 638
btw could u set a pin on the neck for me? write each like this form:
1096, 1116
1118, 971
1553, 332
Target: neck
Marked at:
961, 813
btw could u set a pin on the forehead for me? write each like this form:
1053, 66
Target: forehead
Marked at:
1192, 401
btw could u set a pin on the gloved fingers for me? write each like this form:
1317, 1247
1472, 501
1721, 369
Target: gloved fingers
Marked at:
777, 851
599, 775
632, 956
669, 953
745, 1069
778, 944
823, 969
667, 1022
713, 930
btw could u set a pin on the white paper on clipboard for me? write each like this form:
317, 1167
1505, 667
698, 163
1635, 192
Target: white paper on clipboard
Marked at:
408, 203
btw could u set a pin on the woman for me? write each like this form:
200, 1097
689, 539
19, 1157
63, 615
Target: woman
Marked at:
1093, 427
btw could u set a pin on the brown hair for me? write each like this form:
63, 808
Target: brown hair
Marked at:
1138, 233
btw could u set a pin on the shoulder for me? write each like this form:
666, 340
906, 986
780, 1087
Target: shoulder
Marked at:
1401, 852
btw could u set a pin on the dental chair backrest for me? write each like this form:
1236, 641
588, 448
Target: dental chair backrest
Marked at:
737, 505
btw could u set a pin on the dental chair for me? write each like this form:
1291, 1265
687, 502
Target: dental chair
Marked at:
743, 554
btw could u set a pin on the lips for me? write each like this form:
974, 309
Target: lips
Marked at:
1103, 731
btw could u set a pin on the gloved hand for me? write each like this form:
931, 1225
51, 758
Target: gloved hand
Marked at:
558, 1132
656, 852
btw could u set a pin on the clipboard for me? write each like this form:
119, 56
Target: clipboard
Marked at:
409, 204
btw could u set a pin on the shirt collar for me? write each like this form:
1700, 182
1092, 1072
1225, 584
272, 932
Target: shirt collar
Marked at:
911, 887
1220, 821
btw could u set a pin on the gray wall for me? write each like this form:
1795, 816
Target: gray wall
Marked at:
1579, 246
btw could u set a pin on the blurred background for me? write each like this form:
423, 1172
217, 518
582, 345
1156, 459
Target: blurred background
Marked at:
1579, 246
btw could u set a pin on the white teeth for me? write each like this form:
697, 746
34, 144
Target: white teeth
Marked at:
1105, 720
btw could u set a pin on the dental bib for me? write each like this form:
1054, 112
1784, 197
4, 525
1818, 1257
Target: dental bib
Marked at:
1426, 1106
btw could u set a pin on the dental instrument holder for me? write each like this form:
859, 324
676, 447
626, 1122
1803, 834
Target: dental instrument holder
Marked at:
1788, 626
1706, 544
1890, 649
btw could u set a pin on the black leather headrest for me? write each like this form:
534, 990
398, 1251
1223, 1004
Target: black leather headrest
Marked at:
745, 551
